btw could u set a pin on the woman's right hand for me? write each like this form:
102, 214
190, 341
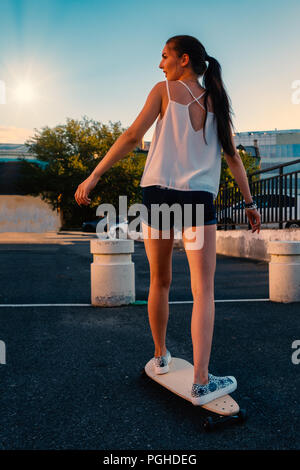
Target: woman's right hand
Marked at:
84, 189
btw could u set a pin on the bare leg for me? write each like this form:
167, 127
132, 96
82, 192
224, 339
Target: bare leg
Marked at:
159, 253
202, 265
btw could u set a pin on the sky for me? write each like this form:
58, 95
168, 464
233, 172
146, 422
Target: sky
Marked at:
100, 59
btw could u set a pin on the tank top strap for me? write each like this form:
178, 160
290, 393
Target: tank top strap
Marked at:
195, 99
167, 85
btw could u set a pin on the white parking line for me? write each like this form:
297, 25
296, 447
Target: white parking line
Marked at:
141, 301
224, 300
45, 305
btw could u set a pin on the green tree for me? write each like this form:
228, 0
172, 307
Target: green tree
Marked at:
249, 163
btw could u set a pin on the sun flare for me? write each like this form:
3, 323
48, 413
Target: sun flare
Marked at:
24, 93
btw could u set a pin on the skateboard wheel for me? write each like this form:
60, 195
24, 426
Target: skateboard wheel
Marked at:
209, 424
242, 415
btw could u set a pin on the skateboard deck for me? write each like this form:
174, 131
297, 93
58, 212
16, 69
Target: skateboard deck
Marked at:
179, 380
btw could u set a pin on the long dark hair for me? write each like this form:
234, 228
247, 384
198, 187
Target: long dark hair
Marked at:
213, 83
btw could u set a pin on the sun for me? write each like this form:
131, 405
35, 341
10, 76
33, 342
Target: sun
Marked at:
24, 93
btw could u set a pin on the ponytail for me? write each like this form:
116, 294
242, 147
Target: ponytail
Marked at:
213, 83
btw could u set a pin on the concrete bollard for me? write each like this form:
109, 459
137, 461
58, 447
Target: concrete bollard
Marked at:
112, 273
284, 271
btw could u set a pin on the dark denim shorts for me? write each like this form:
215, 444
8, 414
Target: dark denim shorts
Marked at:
160, 195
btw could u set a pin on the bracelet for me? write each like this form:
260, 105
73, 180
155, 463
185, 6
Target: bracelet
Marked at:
250, 205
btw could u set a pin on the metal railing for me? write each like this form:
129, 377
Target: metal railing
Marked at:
276, 197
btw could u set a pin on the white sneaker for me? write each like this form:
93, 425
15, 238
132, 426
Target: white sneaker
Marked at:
161, 363
215, 388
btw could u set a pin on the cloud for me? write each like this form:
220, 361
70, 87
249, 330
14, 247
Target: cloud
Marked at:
14, 135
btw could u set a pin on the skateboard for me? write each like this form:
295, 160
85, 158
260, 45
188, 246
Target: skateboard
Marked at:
179, 380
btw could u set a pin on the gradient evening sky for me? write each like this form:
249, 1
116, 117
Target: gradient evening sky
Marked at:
100, 59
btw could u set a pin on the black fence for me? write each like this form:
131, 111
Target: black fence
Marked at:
277, 198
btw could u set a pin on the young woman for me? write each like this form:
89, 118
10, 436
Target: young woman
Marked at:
183, 166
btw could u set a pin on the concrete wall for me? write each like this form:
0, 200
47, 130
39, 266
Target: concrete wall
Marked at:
245, 244
27, 214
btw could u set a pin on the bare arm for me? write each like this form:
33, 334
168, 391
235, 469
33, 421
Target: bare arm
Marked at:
134, 134
237, 168
124, 144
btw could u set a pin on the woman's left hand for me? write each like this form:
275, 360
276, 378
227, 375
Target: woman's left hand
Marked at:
84, 189
254, 219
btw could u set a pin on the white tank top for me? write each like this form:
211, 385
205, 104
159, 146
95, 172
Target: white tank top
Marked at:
178, 156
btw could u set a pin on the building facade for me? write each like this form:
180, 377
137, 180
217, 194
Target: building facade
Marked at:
275, 147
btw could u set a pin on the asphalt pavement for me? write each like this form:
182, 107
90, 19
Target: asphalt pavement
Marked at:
72, 374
